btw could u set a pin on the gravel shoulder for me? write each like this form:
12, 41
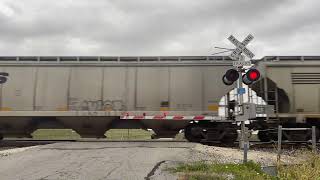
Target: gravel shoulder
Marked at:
266, 157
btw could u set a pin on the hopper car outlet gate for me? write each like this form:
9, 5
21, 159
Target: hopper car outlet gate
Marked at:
166, 94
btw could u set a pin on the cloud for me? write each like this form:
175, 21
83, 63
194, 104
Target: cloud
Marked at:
159, 27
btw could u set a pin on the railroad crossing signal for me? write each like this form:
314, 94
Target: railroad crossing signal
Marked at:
241, 47
248, 78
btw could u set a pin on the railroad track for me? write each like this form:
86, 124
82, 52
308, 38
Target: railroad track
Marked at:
284, 145
267, 145
88, 140
16, 143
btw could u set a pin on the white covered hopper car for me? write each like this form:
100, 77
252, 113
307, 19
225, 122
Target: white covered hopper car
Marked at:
291, 84
94, 94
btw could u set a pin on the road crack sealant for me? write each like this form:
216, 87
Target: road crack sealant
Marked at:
151, 173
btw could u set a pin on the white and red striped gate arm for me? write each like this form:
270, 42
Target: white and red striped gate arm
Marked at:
174, 117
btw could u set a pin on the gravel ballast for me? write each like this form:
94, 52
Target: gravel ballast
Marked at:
266, 157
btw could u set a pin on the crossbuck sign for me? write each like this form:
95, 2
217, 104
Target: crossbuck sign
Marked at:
241, 47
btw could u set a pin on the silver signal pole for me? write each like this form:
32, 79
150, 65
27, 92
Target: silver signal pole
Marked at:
243, 139
243, 142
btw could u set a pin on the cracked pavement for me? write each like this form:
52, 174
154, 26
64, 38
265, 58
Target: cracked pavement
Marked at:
96, 160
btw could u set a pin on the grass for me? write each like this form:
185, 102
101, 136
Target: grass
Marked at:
201, 170
55, 134
308, 169
113, 134
131, 134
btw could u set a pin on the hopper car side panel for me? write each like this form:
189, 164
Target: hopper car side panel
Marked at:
18, 94
118, 88
86, 89
152, 88
186, 89
192, 89
300, 82
52, 89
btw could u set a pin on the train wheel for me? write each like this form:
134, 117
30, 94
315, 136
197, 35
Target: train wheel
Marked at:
230, 136
264, 136
193, 132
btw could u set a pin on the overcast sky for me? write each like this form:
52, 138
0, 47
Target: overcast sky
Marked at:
157, 27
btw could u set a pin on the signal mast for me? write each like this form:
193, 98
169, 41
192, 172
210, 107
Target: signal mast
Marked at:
242, 76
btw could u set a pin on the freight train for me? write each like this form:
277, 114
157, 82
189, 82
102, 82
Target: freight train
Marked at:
166, 94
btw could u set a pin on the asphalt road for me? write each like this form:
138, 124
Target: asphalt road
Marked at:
96, 160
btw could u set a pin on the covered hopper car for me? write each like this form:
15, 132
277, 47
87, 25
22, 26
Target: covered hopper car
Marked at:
291, 85
93, 94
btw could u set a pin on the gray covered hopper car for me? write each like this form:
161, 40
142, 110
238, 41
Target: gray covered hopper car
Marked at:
93, 94
291, 85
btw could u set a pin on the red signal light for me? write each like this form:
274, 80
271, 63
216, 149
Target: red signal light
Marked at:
251, 76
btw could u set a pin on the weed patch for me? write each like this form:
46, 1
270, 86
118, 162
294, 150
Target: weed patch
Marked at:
200, 170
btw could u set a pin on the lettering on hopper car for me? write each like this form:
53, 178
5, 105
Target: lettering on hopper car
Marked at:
96, 105
184, 106
3, 77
